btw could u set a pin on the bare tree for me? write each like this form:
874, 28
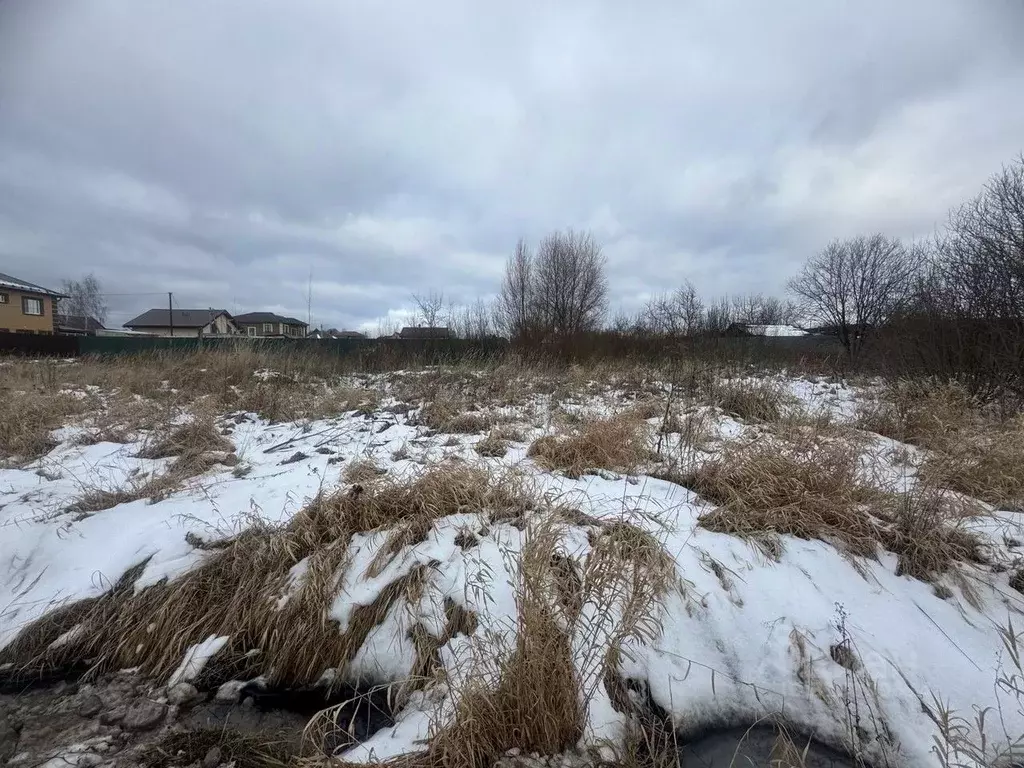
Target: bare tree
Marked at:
719, 316
513, 309
758, 309
967, 322
680, 313
856, 285
570, 289
428, 307
84, 300
981, 256
480, 315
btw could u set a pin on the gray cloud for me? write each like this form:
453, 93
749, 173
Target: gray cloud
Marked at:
226, 151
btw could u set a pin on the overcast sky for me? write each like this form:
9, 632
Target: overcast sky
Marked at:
226, 149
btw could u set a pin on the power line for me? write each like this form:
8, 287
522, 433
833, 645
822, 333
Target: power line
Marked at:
141, 293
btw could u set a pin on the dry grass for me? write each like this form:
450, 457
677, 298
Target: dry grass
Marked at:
919, 413
646, 408
196, 436
969, 449
26, 420
618, 443
537, 704
362, 471
122, 416
984, 464
766, 488
279, 386
235, 591
243, 750
756, 401
451, 415
925, 529
807, 491
196, 446
493, 446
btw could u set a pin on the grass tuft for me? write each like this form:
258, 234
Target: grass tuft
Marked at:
492, 446
920, 413
28, 418
807, 492
618, 443
195, 437
985, 464
756, 401
764, 489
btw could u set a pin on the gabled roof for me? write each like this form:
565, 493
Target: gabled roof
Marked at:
770, 330
334, 333
183, 318
426, 332
78, 323
7, 281
266, 317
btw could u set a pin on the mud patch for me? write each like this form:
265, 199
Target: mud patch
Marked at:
123, 719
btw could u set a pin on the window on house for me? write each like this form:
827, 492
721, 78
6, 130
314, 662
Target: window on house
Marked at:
4, 298
268, 327
251, 330
30, 306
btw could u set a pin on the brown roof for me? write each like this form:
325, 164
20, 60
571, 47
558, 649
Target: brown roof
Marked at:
425, 332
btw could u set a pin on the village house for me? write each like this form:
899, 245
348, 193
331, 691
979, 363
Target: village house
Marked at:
78, 325
424, 332
186, 323
334, 333
26, 307
267, 324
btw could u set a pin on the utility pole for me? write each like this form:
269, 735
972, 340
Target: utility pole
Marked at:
170, 311
309, 300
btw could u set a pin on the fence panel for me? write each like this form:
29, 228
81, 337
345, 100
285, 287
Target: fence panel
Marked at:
35, 345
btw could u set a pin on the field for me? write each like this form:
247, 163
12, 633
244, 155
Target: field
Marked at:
601, 564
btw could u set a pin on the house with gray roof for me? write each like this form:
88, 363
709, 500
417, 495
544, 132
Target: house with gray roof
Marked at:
268, 324
187, 323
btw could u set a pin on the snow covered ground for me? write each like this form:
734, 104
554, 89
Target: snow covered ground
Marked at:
840, 648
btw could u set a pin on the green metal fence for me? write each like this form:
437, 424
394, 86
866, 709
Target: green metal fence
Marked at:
392, 350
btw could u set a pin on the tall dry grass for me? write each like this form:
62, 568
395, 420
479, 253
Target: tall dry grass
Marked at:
969, 448
986, 464
921, 413
766, 488
27, 419
752, 400
537, 699
237, 589
616, 443
278, 385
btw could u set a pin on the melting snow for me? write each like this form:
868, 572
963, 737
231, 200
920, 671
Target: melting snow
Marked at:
743, 637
